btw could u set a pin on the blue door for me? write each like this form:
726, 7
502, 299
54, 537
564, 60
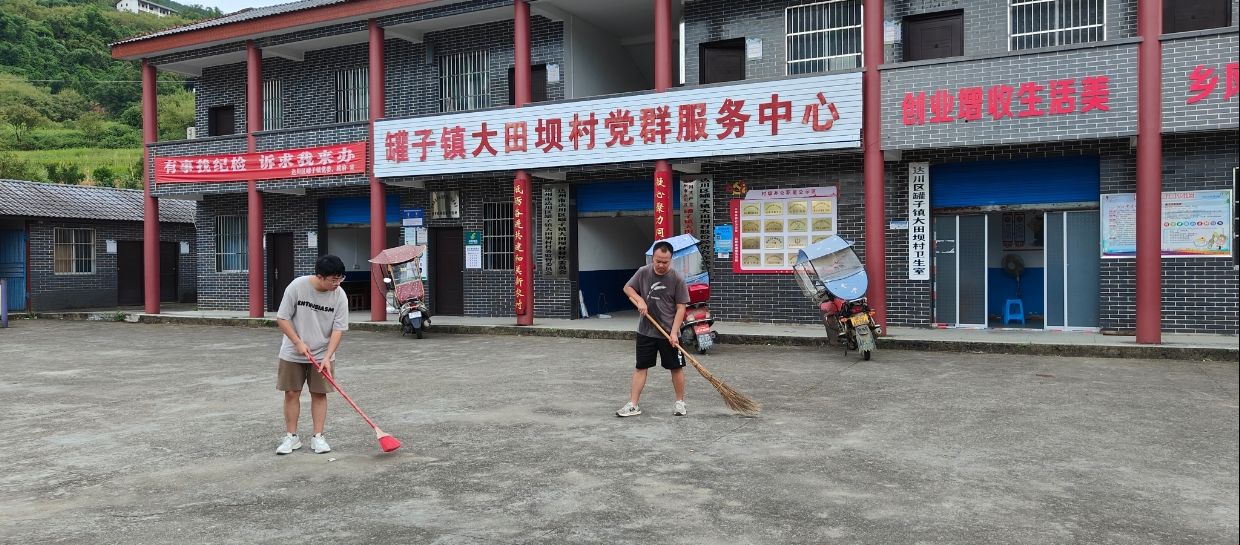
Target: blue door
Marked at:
13, 266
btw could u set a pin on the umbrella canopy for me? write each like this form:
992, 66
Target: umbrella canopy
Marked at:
682, 245
399, 254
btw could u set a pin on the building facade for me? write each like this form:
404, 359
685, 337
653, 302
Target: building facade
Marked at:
983, 156
142, 6
78, 247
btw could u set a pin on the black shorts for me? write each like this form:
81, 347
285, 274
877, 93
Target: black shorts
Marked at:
649, 347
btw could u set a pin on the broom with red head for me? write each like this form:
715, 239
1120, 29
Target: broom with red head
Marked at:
386, 441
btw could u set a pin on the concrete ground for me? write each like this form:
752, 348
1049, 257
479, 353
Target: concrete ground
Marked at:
132, 433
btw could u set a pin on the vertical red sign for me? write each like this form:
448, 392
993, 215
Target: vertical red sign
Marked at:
662, 204
522, 264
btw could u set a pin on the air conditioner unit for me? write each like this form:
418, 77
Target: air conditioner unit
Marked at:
191, 133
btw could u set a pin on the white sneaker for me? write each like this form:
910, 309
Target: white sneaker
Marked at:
679, 408
319, 444
629, 409
290, 443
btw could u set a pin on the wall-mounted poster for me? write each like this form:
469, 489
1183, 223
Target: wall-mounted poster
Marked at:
1194, 224
772, 225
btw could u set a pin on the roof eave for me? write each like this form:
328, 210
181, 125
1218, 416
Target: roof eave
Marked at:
140, 48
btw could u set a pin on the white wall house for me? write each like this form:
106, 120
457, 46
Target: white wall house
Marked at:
142, 6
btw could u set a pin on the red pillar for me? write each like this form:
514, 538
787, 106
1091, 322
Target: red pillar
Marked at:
150, 205
663, 57
254, 227
1149, 173
378, 214
873, 168
522, 242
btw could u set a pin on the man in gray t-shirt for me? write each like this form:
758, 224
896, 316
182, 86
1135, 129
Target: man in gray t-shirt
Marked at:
658, 290
313, 316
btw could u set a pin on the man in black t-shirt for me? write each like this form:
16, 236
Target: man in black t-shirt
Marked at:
660, 291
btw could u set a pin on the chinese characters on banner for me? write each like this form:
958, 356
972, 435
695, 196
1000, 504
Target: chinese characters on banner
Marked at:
811, 113
662, 205
997, 102
919, 221
555, 241
697, 209
521, 267
263, 165
774, 224
1194, 224
1203, 81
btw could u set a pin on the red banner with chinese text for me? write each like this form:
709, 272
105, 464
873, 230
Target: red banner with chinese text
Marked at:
347, 158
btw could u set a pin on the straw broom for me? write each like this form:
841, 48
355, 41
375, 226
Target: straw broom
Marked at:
733, 399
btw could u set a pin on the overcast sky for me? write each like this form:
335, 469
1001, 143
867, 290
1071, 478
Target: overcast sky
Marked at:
229, 6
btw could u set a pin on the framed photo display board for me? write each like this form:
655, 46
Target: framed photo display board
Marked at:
772, 225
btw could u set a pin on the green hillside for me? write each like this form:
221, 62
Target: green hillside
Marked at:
61, 90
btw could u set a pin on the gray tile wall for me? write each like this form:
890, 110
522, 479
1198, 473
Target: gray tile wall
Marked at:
50, 291
1180, 59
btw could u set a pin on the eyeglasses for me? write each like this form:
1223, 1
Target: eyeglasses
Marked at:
332, 279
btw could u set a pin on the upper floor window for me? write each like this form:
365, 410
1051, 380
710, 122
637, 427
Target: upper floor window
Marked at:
463, 82
1045, 23
273, 105
933, 36
721, 61
352, 95
823, 36
230, 244
74, 251
1186, 15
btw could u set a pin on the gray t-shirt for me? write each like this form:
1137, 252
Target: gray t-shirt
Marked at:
314, 314
661, 293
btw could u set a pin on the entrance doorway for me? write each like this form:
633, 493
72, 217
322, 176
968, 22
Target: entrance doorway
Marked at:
1072, 270
279, 267
960, 270
447, 266
13, 266
131, 275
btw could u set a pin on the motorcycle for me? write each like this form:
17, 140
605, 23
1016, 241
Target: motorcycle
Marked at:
831, 276
401, 270
697, 330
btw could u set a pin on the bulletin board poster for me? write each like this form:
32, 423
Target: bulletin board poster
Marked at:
772, 225
1194, 224
1119, 225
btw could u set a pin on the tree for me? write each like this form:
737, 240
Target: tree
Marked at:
176, 111
15, 168
104, 177
22, 118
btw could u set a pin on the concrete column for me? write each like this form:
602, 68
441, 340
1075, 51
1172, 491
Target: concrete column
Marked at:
522, 242
150, 205
254, 199
378, 213
1149, 172
873, 168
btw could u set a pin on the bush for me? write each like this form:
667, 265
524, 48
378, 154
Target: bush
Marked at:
104, 177
133, 179
14, 168
64, 173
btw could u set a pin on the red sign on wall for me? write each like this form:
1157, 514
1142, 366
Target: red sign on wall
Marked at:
265, 165
998, 102
1203, 80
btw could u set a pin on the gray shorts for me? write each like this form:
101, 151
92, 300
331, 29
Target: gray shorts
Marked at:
292, 377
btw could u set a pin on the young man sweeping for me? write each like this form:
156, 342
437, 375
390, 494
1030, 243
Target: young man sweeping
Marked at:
313, 316
660, 291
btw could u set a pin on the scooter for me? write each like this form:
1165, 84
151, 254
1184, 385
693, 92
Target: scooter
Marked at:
697, 330
402, 280
832, 276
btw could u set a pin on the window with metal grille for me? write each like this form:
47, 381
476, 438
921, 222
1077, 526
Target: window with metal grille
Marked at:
1045, 23
74, 251
824, 36
497, 235
463, 82
273, 105
352, 95
230, 244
